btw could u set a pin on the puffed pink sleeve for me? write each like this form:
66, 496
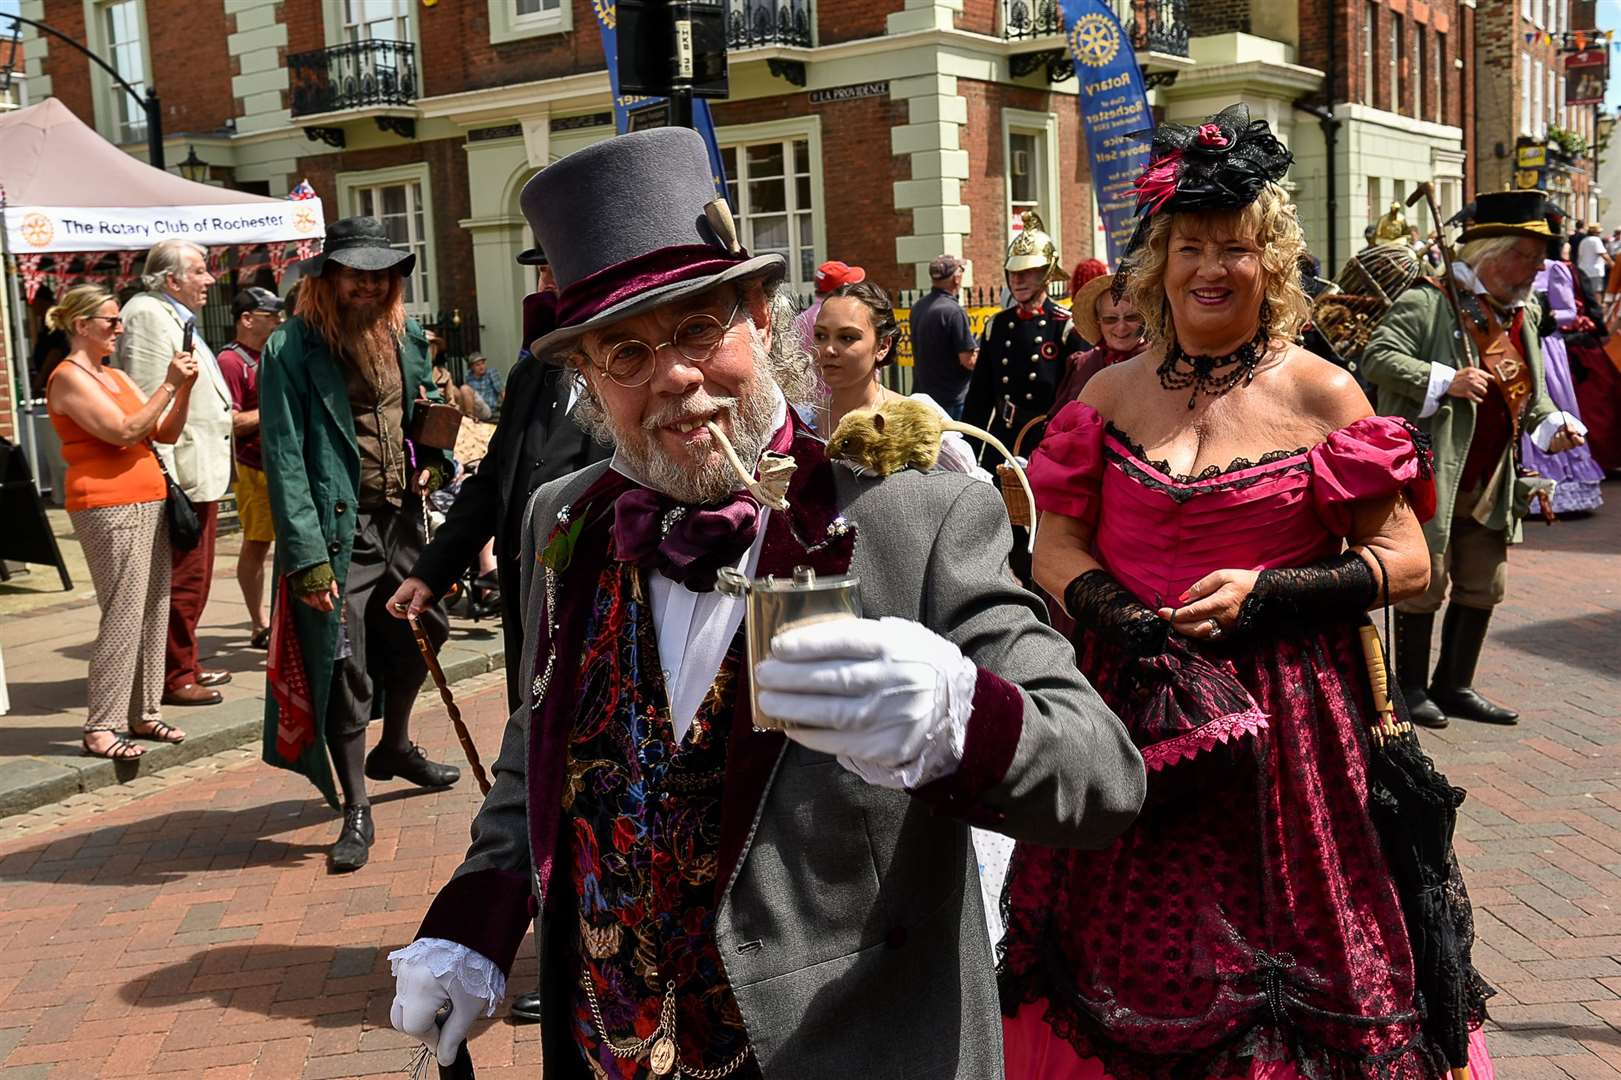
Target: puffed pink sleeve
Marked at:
1066, 470
1373, 458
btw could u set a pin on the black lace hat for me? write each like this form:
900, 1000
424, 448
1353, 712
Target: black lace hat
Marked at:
1221, 164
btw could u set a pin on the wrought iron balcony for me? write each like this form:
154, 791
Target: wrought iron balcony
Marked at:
753, 23
355, 75
1153, 25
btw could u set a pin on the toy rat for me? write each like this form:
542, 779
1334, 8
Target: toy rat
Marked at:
902, 434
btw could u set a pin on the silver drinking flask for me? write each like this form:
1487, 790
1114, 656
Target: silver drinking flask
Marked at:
773, 604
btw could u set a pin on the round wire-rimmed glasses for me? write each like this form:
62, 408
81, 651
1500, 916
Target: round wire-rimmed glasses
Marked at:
630, 363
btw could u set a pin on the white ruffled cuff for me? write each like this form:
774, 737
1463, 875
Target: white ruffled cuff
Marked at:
1544, 434
1441, 377
475, 973
943, 743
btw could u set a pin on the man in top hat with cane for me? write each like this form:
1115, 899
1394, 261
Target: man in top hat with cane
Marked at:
340, 386
1472, 381
717, 900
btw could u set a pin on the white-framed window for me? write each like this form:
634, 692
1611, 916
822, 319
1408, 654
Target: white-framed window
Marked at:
769, 187
1370, 24
1030, 163
513, 20
376, 20
116, 31
1421, 66
1539, 115
1527, 123
401, 199
1397, 48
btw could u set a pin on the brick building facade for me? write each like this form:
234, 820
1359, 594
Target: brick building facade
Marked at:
880, 132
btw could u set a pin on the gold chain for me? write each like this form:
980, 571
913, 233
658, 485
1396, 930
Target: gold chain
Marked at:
661, 1040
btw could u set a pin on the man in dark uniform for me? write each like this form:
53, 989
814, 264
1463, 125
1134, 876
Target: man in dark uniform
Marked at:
535, 440
1024, 352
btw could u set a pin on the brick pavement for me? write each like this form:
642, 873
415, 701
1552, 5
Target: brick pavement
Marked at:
185, 924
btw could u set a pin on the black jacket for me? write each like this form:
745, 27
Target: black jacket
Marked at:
491, 501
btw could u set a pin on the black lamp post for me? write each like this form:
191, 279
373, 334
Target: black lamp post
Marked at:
194, 168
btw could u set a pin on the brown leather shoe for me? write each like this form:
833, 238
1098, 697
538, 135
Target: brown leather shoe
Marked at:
212, 678
192, 694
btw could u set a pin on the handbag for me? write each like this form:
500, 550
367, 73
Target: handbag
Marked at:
185, 528
435, 425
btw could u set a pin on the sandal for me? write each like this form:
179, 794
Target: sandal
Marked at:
158, 731
260, 638
120, 749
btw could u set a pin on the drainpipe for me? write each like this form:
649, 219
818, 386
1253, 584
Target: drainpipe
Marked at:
1330, 125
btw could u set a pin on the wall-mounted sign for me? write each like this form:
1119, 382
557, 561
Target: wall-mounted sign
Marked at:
1531, 155
850, 93
1586, 73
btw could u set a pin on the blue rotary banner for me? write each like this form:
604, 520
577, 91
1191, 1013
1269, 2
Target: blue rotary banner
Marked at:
1114, 112
608, 20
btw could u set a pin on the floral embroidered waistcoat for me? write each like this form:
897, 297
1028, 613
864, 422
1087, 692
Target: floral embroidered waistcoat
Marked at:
643, 816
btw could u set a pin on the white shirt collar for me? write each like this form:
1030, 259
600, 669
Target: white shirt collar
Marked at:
621, 465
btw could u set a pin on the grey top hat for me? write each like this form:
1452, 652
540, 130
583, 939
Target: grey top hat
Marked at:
361, 243
631, 223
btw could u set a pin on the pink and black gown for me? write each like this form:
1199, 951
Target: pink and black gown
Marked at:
1247, 925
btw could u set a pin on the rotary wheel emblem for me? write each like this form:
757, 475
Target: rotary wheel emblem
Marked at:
607, 14
37, 230
304, 220
1094, 41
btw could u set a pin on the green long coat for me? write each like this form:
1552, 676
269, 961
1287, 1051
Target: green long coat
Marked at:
1418, 329
312, 467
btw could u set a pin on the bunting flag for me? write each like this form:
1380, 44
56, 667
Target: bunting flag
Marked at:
301, 191
32, 276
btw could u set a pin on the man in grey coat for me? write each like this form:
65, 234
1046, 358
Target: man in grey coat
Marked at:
714, 899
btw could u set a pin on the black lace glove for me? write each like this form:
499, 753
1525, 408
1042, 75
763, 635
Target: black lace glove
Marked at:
1096, 601
1334, 589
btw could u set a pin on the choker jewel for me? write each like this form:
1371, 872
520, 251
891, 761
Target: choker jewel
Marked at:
1213, 375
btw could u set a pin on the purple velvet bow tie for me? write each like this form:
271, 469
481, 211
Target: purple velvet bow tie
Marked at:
687, 544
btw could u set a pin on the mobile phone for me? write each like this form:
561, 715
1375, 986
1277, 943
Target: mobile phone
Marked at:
191, 332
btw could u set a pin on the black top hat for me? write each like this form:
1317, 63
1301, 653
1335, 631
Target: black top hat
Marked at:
1508, 213
631, 223
533, 256
362, 244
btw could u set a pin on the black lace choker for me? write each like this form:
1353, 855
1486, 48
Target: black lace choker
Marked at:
1213, 375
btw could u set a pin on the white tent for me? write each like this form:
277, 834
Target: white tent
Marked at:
65, 189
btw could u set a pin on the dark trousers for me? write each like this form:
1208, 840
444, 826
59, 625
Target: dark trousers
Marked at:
383, 660
190, 575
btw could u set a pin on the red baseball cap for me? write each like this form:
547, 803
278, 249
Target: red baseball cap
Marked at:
830, 275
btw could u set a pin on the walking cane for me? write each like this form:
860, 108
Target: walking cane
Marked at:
425, 647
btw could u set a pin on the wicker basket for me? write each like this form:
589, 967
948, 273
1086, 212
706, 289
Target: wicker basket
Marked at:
1019, 510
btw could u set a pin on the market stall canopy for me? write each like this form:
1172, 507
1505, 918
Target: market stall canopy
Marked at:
65, 188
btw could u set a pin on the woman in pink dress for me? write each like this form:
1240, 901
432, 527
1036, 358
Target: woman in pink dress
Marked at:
1218, 515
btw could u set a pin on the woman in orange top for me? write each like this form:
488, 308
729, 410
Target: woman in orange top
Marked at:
115, 494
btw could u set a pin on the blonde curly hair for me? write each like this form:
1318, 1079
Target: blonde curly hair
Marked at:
1270, 223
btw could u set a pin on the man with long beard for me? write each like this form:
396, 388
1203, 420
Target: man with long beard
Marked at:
339, 385
716, 900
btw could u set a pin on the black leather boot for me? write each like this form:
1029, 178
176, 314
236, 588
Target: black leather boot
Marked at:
1413, 668
527, 1007
1463, 633
414, 766
353, 848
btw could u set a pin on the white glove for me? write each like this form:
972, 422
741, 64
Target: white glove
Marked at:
888, 697
430, 974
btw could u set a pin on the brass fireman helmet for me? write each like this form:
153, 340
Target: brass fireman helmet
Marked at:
1034, 249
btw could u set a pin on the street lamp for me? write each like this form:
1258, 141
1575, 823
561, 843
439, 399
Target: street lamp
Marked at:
194, 168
